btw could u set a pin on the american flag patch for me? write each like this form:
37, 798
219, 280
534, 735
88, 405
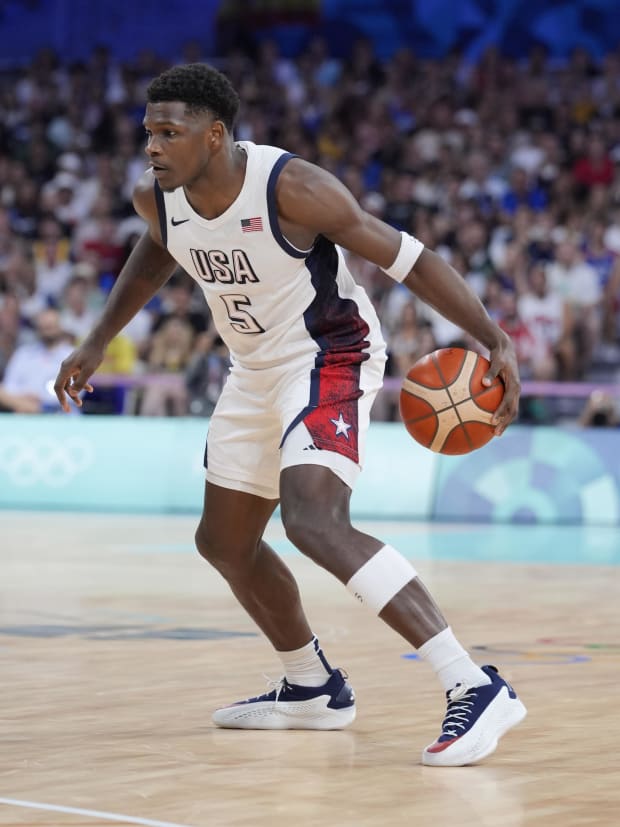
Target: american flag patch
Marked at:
252, 225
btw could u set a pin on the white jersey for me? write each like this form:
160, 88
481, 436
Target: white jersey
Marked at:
544, 315
271, 302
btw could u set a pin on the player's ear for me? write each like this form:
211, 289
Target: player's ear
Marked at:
215, 135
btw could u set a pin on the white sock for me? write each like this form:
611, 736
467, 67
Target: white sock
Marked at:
451, 662
306, 666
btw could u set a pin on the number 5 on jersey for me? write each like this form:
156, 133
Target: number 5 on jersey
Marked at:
240, 320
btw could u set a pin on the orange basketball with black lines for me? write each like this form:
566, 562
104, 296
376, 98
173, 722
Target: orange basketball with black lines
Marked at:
444, 404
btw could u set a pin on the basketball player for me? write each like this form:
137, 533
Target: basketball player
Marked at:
261, 230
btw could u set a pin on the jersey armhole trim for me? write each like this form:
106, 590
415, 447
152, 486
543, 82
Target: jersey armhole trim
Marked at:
161, 212
272, 208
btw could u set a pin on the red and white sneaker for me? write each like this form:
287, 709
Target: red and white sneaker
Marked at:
476, 719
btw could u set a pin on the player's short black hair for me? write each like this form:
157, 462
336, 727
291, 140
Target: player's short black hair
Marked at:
200, 87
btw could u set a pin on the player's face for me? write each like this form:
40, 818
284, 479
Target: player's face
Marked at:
178, 144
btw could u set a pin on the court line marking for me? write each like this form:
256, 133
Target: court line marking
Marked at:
78, 811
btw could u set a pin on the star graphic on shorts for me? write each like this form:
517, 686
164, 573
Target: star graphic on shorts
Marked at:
342, 427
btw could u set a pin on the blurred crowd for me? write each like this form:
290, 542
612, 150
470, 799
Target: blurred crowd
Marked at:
509, 169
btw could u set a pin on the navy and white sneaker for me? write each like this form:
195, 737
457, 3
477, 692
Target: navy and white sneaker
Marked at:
476, 719
288, 706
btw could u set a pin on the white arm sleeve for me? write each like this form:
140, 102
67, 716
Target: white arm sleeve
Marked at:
409, 253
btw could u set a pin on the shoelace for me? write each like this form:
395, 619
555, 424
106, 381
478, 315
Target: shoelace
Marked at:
460, 701
278, 685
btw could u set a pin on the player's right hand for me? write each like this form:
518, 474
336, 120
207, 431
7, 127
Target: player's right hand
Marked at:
74, 373
504, 364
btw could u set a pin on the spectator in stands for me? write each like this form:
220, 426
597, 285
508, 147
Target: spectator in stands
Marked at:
9, 328
7, 237
178, 303
206, 373
77, 314
600, 411
96, 239
171, 350
112, 392
27, 385
549, 318
494, 165
20, 279
481, 186
531, 365
576, 282
523, 192
52, 258
473, 245
611, 305
596, 253
25, 210
60, 197
412, 339
594, 166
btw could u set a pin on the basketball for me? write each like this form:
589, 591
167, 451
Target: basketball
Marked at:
444, 404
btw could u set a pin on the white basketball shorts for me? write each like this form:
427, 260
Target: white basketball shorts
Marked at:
297, 414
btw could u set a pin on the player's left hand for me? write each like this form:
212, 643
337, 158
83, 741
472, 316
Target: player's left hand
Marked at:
504, 364
75, 372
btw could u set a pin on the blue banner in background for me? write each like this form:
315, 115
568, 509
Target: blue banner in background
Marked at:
531, 475
431, 28
398, 477
73, 28
101, 463
534, 475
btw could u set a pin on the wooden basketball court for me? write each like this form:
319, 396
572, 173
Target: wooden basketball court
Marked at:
116, 642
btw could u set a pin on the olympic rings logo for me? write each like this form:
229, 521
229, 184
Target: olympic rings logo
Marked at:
44, 460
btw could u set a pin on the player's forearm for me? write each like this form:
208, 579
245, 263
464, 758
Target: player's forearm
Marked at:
440, 286
148, 268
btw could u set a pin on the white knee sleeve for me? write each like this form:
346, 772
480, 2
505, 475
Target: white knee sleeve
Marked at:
381, 578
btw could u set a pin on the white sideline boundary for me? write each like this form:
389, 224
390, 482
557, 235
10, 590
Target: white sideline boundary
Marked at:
79, 811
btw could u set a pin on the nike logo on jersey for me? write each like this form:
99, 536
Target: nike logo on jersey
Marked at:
176, 223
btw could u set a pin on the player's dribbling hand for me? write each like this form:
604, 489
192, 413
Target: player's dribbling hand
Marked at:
74, 373
504, 364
